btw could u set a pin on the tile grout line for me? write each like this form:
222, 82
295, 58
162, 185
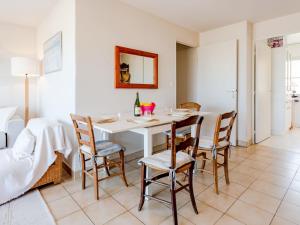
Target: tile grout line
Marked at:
109, 196
285, 195
211, 185
81, 209
236, 199
206, 188
256, 179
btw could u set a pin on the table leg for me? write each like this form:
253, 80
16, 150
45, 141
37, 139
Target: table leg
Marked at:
148, 149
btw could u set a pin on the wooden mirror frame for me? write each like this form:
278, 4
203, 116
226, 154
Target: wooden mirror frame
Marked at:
119, 84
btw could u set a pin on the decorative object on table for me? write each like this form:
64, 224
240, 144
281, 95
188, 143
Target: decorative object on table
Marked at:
25, 67
52, 61
183, 111
147, 107
143, 68
137, 106
169, 163
90, 150
218, 145
125, 75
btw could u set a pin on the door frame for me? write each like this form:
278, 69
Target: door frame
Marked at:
254, 94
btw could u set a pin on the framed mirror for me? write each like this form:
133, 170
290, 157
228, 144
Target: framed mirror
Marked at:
135, 68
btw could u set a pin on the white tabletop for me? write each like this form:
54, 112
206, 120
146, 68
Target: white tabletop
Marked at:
122, 124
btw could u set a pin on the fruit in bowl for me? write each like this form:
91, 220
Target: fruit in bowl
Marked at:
147, 107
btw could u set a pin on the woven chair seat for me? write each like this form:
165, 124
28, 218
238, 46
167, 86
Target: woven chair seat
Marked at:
162, 160
182, 132
104, 148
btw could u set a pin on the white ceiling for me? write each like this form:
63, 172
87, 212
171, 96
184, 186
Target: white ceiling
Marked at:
25, 12
201, 15
198, 15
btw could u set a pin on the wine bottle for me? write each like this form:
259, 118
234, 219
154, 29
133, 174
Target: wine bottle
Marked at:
137, 106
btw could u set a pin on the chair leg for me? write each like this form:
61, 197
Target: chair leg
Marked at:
226, 166
83, 176
143, 186
167, 141
215, 169
95, 173
191, 189
203, 162
173, 200
105, 166
122, 158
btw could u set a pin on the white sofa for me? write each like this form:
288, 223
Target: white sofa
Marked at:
8, 136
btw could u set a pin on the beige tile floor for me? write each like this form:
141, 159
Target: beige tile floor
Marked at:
264, 189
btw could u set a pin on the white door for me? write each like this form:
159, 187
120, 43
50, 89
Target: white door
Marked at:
217, 81
262, 88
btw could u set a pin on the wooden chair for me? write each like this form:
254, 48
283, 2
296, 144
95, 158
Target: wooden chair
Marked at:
183, 133
218, 146
171, 162
190, 105
91, 151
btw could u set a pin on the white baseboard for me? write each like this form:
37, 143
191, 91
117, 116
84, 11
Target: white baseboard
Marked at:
243, 143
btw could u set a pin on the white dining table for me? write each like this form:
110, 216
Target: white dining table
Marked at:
148, 129
161, 124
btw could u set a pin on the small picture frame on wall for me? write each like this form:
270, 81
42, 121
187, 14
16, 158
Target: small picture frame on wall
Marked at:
52, 61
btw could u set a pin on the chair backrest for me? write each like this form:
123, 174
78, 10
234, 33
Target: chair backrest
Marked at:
84, 131
190, 105
224, 126
191, 142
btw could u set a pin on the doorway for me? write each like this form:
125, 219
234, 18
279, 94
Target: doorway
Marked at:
186, 69
276, 87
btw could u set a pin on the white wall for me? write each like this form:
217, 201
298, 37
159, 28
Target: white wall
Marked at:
57, 89
277, 27
243, 33
16, 40
102, 24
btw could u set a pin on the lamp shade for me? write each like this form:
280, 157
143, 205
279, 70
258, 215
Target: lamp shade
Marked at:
21, 66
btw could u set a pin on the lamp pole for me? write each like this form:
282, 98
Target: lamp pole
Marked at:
29, 67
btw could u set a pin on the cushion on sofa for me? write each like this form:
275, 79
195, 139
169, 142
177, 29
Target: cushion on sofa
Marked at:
24, 145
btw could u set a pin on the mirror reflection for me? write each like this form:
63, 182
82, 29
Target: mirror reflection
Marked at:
135, 69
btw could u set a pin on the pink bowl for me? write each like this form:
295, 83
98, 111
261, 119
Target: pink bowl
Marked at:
148, 108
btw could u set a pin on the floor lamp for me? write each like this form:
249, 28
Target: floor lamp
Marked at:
27, 68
